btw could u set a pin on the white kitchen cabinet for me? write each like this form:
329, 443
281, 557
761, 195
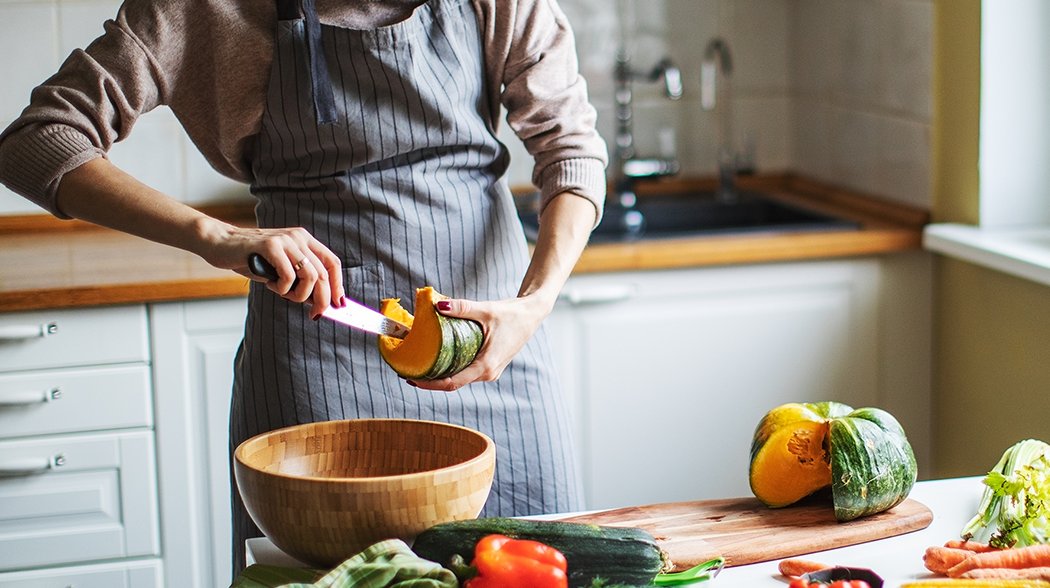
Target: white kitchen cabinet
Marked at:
77, 460
670, 371
195, 344
126, 574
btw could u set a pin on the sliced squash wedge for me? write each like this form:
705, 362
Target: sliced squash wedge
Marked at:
437, 346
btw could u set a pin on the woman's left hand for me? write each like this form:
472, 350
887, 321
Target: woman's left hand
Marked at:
507, 326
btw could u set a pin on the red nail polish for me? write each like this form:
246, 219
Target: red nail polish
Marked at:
342, 301
411, 383
314, 318
444, 305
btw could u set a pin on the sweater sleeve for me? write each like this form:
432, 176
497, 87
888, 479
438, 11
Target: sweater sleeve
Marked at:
77, 114
547, 105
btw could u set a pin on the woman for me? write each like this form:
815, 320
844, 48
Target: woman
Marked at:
369, 142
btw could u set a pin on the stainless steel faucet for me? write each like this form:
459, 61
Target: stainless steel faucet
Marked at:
627, 167
717, 57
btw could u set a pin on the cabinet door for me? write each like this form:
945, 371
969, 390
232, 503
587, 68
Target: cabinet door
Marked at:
73, 337
194, 348
77, 498
129, 574
675, 369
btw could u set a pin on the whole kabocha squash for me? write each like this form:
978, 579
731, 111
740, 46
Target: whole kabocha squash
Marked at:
862, 454
438, 346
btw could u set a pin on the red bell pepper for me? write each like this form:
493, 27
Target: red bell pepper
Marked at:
503, 562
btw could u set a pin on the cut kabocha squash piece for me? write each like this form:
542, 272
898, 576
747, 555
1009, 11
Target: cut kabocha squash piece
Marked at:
863, 455
437, 346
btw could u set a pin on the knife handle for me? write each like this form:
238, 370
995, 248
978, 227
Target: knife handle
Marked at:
262, 268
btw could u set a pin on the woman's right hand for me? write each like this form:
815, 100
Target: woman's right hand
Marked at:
293, 252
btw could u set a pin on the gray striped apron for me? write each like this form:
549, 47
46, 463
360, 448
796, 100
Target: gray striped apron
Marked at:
379, 143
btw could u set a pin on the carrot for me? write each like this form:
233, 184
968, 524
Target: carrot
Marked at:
792, 567
1040, 573
971, 546
1020, 557
941, 559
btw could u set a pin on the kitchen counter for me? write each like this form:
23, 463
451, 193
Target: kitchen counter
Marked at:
896, 559
47, 263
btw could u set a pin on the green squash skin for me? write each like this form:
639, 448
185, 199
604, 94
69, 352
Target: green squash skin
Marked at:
829, 409
468, 337
621, 555
447, 351
873, 466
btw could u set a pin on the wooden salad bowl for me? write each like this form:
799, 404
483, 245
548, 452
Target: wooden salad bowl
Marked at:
324, 491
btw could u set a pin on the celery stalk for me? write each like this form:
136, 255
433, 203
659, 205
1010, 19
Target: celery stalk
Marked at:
1015, 507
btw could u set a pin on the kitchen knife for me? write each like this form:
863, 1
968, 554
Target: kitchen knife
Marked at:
353, 314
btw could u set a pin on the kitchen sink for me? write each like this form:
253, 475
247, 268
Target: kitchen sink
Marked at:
701, 213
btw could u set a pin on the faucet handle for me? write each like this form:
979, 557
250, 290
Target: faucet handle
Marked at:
672, 78
650, 168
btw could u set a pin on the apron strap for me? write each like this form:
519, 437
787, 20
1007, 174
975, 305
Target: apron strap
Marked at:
320, 80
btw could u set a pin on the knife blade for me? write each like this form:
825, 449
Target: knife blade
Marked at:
354, 314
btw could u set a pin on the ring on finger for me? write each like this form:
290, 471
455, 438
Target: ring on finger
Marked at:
299, 264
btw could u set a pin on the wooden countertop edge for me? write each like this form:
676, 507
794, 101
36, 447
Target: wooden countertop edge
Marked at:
116, 294
701, 252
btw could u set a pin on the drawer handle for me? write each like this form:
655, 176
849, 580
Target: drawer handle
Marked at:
28, 397
600, 295
29, 466
26, 332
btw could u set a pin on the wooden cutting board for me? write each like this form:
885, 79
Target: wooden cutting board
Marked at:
745, 531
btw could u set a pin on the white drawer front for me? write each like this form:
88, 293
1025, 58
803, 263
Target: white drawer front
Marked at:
132, 574
67, 338
74, 400
77, 498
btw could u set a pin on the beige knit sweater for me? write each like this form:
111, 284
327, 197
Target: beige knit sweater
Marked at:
209, 61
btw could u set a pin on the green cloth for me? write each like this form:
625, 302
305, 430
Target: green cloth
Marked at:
387, 564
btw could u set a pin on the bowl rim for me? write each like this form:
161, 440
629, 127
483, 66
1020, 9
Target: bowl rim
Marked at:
484, 455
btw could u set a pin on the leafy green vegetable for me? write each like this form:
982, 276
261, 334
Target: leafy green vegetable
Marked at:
1015, 507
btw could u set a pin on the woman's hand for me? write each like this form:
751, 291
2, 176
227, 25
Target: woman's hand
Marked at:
293, 252
507, 326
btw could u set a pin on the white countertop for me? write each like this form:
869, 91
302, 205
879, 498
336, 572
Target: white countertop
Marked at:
896, 559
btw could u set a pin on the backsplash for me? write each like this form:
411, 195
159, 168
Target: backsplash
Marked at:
838, 90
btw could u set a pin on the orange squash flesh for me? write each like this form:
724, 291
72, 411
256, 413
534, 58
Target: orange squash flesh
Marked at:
415, 355
791, 464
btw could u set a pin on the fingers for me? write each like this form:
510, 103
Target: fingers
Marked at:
306, 269
478, 371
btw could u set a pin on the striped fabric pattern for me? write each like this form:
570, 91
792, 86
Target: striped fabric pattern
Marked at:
406, 187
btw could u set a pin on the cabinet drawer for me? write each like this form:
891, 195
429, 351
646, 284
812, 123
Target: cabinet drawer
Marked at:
77, 498
132, 574
67, 338
74, 400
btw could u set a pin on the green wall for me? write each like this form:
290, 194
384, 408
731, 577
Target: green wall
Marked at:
991, 330
992, 366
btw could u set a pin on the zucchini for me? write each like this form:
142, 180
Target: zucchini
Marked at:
619, 555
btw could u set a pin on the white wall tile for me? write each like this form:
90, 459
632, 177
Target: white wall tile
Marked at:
758, 37
814, 49
27, 40
859, 42
764, 125
153, 153
80, 22
811, 139
855, 150
907, 69
11, 203
904, 161
204, 185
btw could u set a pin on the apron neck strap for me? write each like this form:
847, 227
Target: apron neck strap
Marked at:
320, 81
